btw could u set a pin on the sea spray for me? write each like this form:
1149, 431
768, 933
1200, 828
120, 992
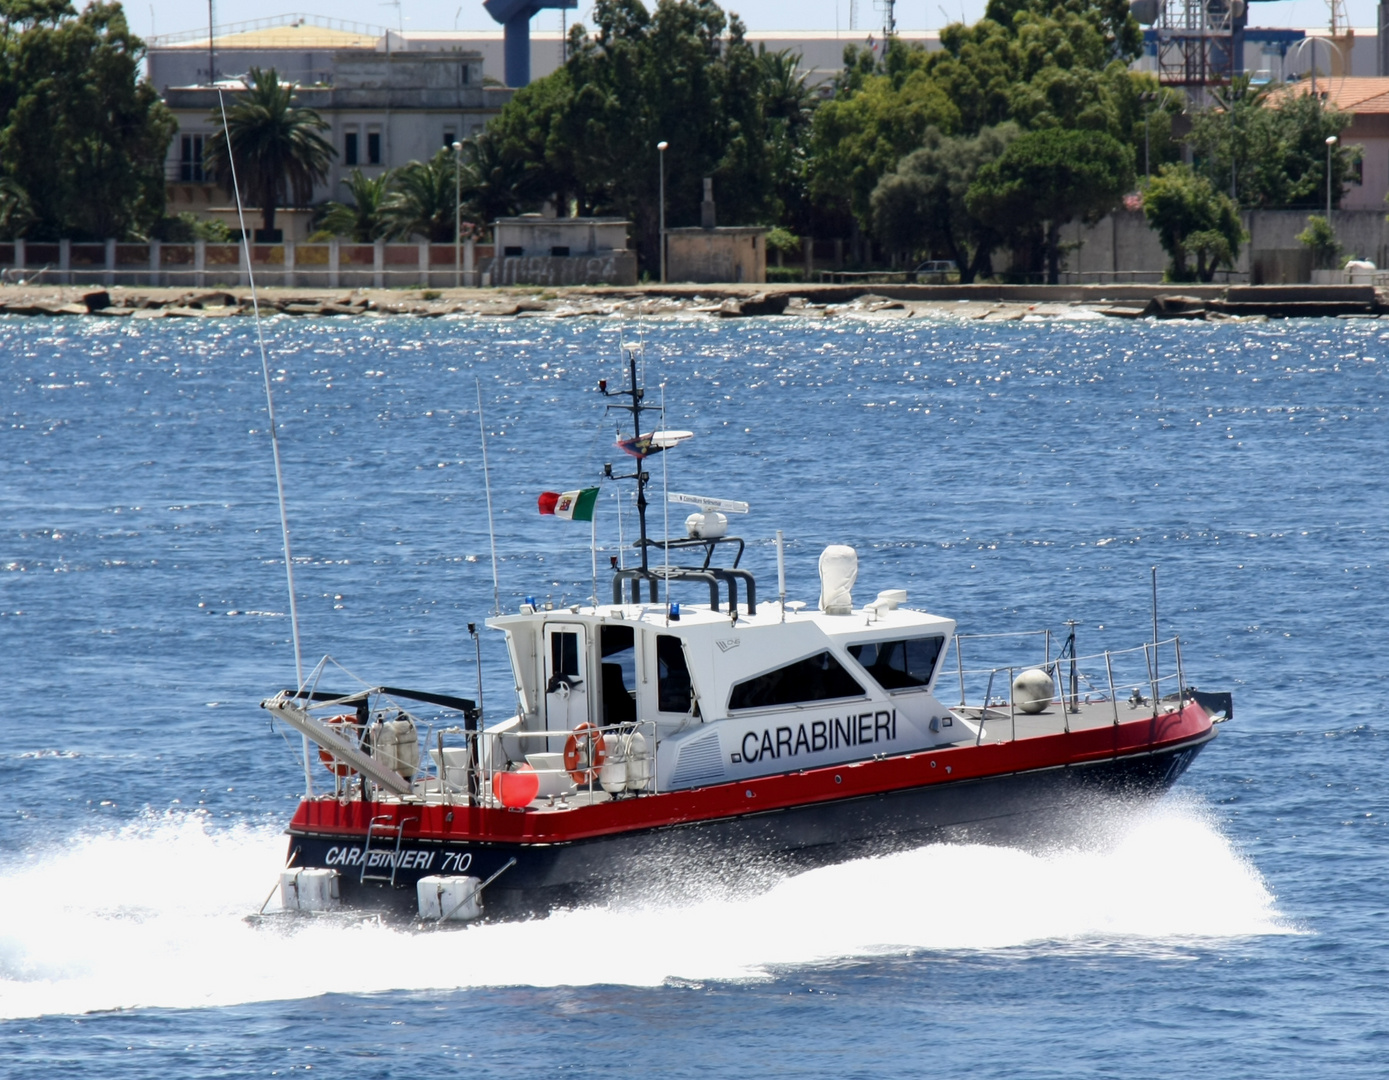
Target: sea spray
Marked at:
155, 915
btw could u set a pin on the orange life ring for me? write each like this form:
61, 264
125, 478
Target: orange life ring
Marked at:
585, 751
336, 767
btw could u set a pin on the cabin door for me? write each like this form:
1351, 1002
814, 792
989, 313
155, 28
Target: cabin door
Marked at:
566, 679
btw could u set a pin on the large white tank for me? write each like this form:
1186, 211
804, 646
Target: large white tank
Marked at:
638, 763
838, 572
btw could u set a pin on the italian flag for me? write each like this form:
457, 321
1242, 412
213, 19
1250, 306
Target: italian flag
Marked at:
570, 505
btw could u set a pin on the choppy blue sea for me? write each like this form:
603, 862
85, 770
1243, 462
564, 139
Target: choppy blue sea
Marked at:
1012, 476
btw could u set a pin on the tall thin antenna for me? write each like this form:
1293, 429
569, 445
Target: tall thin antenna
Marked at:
274, 433
212, 63
665, 504
621, 542
487, 483
269, 397
1156, 678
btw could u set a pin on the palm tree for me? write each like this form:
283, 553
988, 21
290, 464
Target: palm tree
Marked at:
495, 183
423, 200
16, 212
276, 146
361, 220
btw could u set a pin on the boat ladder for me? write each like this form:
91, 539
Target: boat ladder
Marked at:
382, 827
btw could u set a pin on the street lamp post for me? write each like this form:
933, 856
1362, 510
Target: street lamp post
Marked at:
457, 214
1148, 97
1330, 142
661, 146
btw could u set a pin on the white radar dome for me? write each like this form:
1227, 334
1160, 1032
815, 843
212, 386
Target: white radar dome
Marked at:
838, 572
709, 525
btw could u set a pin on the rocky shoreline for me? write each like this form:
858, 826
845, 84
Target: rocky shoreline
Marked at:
974, 302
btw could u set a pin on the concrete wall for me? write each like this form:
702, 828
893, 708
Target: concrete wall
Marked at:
610, 268
1122, 248
716, 255
331, 266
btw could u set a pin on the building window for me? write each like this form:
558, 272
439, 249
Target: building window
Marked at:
449, 139
373, 148
465, 74
190, 164
349, 148
559, 251
512, 252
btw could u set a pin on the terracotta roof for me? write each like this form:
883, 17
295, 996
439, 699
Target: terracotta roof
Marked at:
1351, 94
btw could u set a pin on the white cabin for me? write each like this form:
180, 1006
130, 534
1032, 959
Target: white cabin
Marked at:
733, 697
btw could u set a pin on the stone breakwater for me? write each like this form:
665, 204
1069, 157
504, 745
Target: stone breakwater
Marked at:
989, 303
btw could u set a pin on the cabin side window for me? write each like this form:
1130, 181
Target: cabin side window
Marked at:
673, 691
907, 664
816, 678
619, 671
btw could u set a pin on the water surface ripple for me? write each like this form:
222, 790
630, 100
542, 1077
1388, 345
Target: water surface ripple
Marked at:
1009, 475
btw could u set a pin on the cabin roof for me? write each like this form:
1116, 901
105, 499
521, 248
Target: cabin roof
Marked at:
698, 620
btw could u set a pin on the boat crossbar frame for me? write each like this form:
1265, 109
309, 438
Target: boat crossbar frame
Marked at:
713, 576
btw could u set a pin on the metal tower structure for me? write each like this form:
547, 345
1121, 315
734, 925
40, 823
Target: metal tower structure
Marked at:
1200, 43
1340, 22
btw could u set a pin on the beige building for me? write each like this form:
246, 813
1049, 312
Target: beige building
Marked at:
385, 106
725, 254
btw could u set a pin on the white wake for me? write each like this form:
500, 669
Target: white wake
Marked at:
153, 915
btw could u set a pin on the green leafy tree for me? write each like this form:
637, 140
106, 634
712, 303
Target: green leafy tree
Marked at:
531, 134
1046, 179
276, 145
860, 137
1192, 219
360, 220
423, 200
1040, 65
1320, 239
81, 135
1268, 144
682, 73
919, 208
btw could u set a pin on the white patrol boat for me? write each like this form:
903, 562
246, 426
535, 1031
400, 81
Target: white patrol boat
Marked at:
656, 743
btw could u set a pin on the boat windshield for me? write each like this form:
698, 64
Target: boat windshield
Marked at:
904, 664
816, 678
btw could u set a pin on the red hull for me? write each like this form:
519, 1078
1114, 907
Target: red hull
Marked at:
328, 817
